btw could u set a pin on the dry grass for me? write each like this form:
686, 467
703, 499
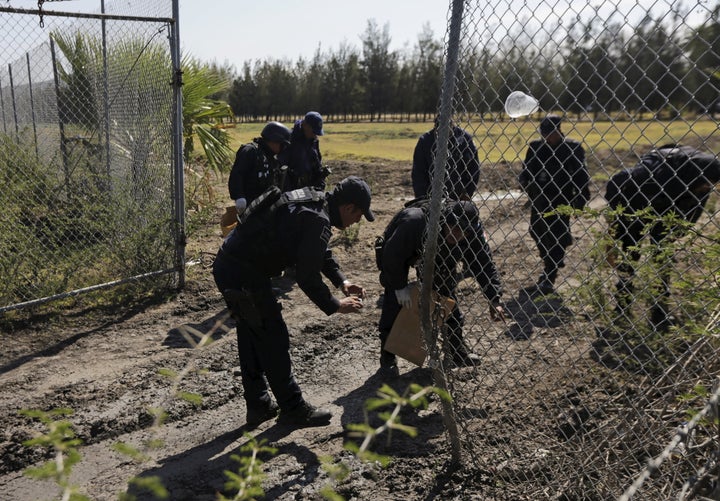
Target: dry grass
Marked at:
501, 141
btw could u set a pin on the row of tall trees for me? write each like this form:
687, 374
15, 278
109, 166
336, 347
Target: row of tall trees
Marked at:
345, 83
660, 65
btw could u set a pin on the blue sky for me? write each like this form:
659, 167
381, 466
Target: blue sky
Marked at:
235, 31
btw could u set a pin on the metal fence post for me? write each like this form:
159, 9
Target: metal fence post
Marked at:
12, 97
2, 107
32, 106
179, 196
59, 104
106, 96
426, 304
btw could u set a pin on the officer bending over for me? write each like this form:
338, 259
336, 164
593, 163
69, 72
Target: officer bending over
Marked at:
260, 248
460, 240
671, 179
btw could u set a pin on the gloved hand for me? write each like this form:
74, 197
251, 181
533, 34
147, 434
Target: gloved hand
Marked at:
403, 297
240, 205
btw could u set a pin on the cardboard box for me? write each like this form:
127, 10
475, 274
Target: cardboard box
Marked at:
406, 338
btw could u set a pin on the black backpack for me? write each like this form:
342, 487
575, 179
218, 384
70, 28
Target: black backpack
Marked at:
272, 198
663, 179
422, 203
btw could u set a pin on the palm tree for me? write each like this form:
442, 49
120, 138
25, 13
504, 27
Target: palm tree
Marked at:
203, 116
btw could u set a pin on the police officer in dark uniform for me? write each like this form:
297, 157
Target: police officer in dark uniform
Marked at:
303, 157
554, 174
260, 248
671, 179
256, 167
460, 240
462, 168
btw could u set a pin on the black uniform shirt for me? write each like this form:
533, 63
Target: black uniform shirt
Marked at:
297, 234
304, 161
555, 175
253, 172
463, 165
404, 245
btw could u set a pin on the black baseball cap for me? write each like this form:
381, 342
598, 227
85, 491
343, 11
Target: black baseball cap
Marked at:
549, 124
354, 190
463, 214
315, 121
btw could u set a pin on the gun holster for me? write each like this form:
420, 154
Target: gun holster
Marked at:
242, 307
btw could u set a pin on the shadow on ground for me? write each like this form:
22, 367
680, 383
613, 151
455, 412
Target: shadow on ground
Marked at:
535, 308
189, 335
200, 473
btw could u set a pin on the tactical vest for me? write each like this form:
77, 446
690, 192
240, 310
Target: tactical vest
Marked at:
272, 199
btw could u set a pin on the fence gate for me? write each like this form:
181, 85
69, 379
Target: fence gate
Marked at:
601, 385
90, 167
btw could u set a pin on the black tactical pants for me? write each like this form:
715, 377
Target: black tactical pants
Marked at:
390, 310
552, 236
629, 231
262, 335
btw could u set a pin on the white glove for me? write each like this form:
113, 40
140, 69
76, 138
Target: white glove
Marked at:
240, 205
403, 297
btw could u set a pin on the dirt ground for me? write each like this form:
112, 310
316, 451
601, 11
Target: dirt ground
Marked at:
104, 366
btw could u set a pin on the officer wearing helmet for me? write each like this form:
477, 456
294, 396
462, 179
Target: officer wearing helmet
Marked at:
460, 240
256, 167
303, 157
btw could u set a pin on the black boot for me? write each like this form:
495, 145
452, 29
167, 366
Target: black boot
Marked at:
256, 415
545, 284
660, 318
463, 357
388, 365
305, 415
459, 352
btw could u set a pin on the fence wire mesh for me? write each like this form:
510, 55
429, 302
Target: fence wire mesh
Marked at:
86, 149
608, 348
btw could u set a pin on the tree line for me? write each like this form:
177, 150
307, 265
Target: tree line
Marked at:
660, 65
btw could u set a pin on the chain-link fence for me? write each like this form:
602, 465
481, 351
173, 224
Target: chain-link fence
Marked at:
598, 381
92, 187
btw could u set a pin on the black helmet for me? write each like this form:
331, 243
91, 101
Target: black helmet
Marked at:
275, 131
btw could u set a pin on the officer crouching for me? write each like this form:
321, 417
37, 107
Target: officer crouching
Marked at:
460, 240
291, 234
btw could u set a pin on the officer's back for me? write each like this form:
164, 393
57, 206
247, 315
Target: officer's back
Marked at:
271, 242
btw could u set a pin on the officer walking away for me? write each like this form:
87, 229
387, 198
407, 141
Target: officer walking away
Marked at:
671, 179
462, 167
256, 167
554, 174
295, 233
303, 157
460, 240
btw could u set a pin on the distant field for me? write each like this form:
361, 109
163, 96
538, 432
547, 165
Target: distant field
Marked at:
498, 141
